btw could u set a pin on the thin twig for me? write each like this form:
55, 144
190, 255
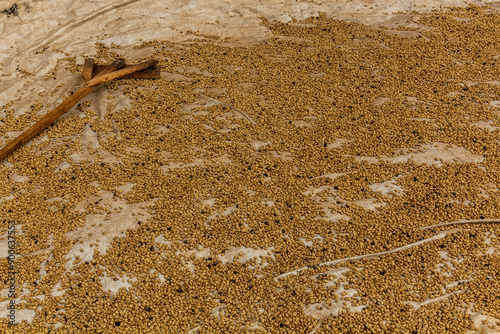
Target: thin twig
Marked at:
242, 113
438, 236
462, 222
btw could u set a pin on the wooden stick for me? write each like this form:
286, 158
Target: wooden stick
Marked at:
88, 67
50, 117
116, 74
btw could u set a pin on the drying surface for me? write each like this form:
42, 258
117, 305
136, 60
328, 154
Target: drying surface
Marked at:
300, 180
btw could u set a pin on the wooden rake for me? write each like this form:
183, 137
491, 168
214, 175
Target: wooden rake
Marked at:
93, 75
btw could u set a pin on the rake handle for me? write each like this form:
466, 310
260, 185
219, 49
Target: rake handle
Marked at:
50, 117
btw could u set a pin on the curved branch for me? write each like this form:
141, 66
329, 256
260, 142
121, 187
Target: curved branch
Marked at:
438, 236
462, 222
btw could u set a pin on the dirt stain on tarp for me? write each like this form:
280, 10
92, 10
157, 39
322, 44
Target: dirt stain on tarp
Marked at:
12, 10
